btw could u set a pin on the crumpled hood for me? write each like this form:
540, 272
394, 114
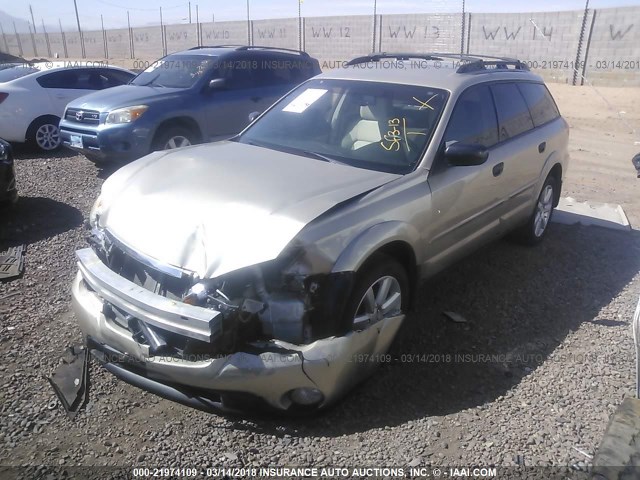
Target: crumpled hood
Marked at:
215, 208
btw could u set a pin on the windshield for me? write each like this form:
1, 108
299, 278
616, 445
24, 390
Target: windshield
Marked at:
11, 73
175, 71
378, 126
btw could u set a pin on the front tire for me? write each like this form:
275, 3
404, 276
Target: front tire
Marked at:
174, 137
536, 227
381, 291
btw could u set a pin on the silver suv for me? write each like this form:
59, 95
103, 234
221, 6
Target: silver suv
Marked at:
276, 268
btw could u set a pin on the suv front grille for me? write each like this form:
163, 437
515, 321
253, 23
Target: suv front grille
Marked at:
79, 115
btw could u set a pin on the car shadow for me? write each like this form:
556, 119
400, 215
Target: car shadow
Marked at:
438, 366
36, 218
24, 151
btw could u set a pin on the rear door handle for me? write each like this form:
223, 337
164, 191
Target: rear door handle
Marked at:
542, 146
498, 169
256, 99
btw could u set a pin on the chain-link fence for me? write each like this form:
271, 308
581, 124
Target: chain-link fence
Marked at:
565, 46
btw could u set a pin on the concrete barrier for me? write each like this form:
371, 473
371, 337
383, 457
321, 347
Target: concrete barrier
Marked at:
281, 32
613, 47
224, 33
148, 44
118, 45
181, 37
332, 40
94, 44
420, 33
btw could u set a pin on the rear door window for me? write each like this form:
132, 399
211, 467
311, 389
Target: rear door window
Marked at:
474, 118
63, 79
513, 114
541, 105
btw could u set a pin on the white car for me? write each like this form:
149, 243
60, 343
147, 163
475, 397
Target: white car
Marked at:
33, 97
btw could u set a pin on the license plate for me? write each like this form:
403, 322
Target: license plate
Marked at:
76, 141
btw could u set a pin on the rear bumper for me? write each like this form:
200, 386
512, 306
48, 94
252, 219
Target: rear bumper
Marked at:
113, 143
268, 371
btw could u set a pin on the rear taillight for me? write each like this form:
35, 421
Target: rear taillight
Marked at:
3, 96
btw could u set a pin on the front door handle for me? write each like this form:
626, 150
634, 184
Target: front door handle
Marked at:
498, 169
542, 146
256, 99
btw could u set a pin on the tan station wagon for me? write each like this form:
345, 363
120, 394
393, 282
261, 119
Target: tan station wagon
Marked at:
260, 271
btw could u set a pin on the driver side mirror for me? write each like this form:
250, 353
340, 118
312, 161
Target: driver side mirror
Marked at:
253, 116
217, 84
465, 155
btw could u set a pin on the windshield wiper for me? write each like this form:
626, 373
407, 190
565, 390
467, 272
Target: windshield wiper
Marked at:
292, 150
319, 156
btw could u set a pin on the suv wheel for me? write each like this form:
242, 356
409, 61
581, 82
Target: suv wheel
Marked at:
536, 227
381, 292
174, 137
44, 134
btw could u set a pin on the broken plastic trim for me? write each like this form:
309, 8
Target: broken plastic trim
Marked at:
70, 381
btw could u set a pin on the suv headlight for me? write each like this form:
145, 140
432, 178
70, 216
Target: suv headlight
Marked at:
126, 114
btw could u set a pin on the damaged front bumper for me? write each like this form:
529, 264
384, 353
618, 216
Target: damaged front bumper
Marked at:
281, 375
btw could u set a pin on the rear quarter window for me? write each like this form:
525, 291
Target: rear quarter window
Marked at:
541, 105
513, 113
63, 79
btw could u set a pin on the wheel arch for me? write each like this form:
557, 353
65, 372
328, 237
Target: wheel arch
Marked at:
36, 121
393, 239
183, 121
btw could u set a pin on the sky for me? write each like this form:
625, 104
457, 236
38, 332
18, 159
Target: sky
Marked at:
146, 12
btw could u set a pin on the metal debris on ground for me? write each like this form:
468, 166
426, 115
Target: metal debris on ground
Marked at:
455, 317
12, 262
70, 381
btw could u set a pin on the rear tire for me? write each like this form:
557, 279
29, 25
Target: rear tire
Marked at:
44, 133
536, 227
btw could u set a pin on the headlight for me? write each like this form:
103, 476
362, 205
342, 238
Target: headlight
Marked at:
126, 114
5, 154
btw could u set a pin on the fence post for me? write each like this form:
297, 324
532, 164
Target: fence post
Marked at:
587, 47
462, 32
33, 41
4, 39
46, 38
64, 40
131, 52
469, 32
18, 39
580, 40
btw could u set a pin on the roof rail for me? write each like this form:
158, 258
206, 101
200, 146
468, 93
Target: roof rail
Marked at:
376, 57
277, 49
468, 63
215, 46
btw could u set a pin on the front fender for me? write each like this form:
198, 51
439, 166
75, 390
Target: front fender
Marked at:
372, 240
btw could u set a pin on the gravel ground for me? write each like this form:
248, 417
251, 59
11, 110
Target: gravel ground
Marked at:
531, 378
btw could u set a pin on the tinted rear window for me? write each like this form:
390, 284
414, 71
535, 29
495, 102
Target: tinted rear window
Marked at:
474, 118
513, 114
542, 107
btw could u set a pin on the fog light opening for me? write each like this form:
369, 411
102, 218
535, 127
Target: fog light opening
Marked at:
305, 396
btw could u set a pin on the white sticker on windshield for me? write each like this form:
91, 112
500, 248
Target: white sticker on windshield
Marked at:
154, 65
304, 100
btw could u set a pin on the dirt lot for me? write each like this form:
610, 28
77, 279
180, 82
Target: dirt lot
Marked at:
544, 359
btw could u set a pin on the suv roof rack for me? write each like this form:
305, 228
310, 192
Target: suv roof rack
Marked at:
215, 46
277, 49
469, 63
253, 47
